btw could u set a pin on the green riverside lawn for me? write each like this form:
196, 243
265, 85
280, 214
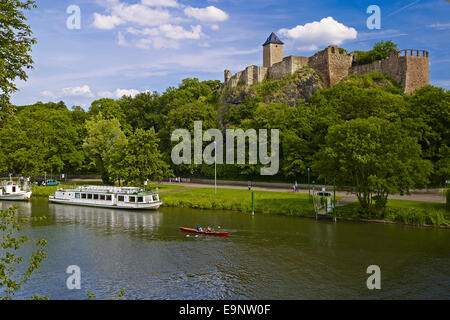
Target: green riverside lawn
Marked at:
241, 200
401, 211
283, 203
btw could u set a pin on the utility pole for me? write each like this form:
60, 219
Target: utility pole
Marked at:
215, 167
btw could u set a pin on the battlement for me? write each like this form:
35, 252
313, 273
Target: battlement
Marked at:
410, 67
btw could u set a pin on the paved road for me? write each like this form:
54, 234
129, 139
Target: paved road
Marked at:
346, 197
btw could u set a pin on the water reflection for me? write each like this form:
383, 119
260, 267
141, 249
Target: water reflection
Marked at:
265, 256
113, 220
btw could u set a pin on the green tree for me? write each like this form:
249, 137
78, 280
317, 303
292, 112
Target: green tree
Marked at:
110, 108
380, 50
428, 117
42, 137
374, 158
104, 144
10, 280
15, 47
183, 117
143, 160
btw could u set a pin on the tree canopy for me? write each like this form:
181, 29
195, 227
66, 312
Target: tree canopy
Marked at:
15, 49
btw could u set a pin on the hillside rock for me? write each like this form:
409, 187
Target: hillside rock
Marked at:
288, 90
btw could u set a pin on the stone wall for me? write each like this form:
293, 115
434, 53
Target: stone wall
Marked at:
319, 62
411, 71
417, 72
410, 68
289, 65
338, 64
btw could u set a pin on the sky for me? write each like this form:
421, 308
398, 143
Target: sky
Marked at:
123, 47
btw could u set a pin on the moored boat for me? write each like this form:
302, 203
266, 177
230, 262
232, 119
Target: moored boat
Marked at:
108, 197
212, 233
12, 191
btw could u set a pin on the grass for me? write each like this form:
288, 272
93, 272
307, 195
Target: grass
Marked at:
418, 213
241, 200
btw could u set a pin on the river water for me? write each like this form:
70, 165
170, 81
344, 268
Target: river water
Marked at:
265, 256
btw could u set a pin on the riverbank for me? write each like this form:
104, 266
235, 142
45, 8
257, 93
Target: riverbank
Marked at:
297, 204
418, 213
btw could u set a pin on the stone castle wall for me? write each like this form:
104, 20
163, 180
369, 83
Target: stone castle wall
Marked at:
409, 67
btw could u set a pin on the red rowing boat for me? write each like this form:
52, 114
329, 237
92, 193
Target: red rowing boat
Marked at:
212, 233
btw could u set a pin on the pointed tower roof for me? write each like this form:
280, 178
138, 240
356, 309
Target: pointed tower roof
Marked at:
272, 39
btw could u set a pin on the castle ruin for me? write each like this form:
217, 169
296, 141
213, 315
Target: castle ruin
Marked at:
408, 67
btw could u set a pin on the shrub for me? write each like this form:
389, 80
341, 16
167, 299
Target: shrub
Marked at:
447, 199
380, 50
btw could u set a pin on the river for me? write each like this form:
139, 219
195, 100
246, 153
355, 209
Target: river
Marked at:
265, 256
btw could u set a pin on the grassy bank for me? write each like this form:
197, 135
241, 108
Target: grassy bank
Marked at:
47, 191
399, 211
403, 211
241, 200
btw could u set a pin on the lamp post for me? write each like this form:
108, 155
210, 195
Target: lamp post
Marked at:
334, 199
215, 167
309, 184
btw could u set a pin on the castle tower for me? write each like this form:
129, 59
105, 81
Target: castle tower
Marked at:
273, 51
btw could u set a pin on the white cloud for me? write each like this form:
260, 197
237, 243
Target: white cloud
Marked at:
324, 32
83, 91
119, 93
48, 94
106, 22
208, 14
161, 3
169, 31
136, 13
121, 41
440, 26
215, 27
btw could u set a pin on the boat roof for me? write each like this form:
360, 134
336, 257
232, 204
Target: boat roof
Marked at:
111, 190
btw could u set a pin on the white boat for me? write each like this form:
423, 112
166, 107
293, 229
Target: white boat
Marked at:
10, 190
108, 197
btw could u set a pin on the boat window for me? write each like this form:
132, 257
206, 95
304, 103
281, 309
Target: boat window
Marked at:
95, 196
121, 198
77, 196
102, 197
132, 199
83, 196
13, 189
140, 199
109, 198
89, 195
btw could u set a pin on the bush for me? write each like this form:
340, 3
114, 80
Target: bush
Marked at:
380, 50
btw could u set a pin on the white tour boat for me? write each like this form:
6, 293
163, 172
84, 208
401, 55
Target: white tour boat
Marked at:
108, 197
10, 190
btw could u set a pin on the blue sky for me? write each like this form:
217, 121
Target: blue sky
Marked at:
130, 46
